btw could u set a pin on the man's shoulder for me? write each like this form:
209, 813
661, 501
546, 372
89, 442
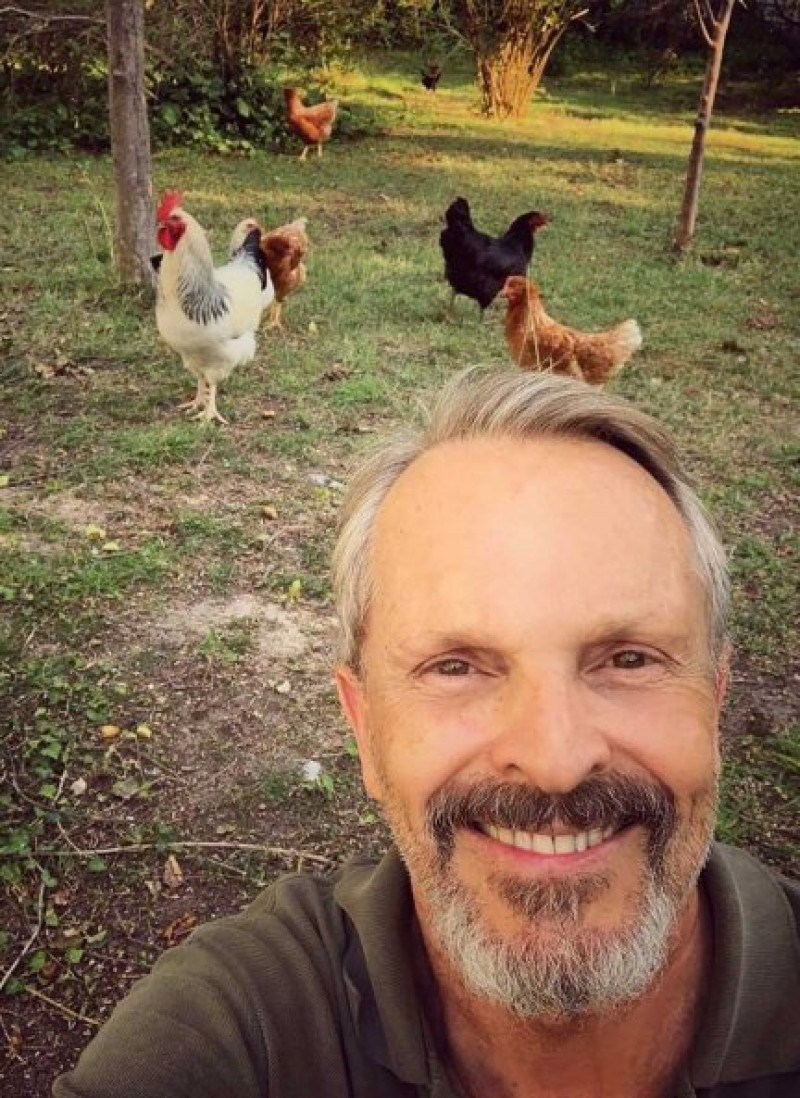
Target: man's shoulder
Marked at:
302, 906
749, 1037
253, 996
755, 883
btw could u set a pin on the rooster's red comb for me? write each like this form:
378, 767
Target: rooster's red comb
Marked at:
168, 204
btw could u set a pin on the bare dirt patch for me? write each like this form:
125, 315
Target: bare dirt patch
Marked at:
279, 634
69, 508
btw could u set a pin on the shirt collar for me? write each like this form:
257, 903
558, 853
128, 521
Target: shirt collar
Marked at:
749, 1026
379, 967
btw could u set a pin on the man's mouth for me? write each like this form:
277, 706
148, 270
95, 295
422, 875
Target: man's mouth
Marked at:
538, 842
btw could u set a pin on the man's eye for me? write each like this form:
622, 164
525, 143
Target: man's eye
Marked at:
630, 660
451, 667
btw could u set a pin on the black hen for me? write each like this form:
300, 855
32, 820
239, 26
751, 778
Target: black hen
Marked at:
476, 264
431, 75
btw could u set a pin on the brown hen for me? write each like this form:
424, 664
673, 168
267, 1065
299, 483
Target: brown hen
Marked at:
284, 250
313, 124
537, 342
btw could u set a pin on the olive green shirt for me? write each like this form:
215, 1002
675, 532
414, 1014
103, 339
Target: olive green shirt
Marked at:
312, 993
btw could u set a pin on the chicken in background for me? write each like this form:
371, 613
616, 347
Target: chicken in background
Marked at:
313, 124
284, 250
208, 315
537, 342
431, 75
476, 264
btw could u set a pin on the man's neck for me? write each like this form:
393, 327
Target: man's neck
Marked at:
632, 1052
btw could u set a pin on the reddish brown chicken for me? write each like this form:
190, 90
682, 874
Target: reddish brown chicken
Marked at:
313, 124
537, 342
284, 250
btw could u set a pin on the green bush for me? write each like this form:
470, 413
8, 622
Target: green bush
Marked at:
189, 105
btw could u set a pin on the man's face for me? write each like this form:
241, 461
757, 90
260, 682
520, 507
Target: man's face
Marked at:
537, 712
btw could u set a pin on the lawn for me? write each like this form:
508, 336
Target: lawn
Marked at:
167, 629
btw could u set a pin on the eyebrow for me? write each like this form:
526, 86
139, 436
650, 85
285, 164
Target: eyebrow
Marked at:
432, 639
611, 630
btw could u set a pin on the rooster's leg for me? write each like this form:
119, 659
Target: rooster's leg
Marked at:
450, 307
319, 149
210, 413
274, 316
304, 153
199, 399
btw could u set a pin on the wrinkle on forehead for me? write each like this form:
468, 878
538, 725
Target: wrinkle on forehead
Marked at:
473, 526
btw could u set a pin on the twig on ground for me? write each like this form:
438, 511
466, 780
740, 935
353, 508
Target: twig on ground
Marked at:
9, 972
11, 1048
65, 835
201, 460
62, 779
70, 1013
134, 848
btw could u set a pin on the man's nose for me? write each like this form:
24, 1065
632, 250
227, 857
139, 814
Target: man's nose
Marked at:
547, 732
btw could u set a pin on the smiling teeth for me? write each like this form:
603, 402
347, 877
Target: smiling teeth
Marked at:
549, 844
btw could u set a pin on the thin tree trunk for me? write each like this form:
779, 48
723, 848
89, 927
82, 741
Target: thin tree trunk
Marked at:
688, 215
130, 141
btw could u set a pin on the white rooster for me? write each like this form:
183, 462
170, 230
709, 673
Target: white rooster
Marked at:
208, 314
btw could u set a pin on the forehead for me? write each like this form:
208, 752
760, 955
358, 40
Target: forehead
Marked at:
476, 527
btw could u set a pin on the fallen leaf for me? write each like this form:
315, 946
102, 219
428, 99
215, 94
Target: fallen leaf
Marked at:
179, 928
312, 327
94, 533
337, 372
79, 787
322, 480
311, 770
284, 687
15, 1042
110, 546
110, 731
4, 480
172, 874
295, 590
268, 413
126, 788
144, 732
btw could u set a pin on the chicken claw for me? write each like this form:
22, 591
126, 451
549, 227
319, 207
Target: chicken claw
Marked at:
198, 401
210, 413
274, 316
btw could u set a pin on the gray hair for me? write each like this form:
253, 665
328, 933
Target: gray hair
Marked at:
481, 403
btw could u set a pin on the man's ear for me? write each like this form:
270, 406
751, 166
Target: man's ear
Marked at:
352, 698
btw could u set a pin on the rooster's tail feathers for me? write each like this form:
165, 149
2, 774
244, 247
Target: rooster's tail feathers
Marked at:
625, 339
251, 247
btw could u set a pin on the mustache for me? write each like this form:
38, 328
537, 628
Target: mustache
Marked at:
603, 800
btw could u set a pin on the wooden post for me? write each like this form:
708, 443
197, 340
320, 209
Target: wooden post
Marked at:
130, 142
714, 31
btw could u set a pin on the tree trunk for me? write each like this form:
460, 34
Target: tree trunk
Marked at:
688, 215
130, 142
